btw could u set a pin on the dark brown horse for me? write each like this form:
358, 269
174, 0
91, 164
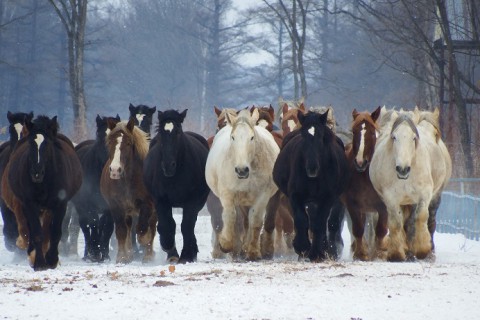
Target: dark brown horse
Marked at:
15, 129
122, 187
42, 175
359, 196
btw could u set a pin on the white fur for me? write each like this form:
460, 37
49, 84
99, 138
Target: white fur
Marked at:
116, 164
18, 129
140, 117
168, 127
263, 123
39, 140
361, 148
312, 131
291, 125
255, 191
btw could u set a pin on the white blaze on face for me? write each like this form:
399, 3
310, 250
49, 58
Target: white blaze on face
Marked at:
140, 117
263, 123
39, 140
291, 125
361, 147
312, 131
18, 128
107, 132
168, 127
116, 164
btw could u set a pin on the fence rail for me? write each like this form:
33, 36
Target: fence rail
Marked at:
459, 209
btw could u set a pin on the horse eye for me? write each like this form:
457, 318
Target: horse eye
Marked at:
233, 138
251, 139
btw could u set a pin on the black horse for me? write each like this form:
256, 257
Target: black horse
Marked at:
312, 171
94, 217
174, 174
42, 175
16, 121
142, 116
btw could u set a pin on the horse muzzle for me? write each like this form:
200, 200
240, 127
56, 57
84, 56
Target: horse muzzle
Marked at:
116, 173
402, 172
242, 173
37, 178
360, 167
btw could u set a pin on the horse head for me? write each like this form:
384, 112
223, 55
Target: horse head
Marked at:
221, 116
289, 118
142, 116
105, 125
243, 140
364, 129
41, 135
170, 132
315, 134
266, 117
121, 148
404, 137
17, 122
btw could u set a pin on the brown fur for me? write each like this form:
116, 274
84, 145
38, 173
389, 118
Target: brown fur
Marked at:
127, 196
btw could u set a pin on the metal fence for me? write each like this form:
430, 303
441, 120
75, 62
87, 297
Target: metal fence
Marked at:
459, 209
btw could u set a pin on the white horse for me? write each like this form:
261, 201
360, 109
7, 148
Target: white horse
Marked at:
401, 173
239, 172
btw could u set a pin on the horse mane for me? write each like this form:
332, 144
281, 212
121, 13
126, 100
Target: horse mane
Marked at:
431, 118
139, 137
404, 118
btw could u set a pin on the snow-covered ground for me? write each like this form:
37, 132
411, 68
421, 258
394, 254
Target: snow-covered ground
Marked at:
217, 289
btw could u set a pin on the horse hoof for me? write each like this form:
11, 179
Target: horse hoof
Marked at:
172, 259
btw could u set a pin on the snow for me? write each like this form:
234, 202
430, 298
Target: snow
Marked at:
447, 288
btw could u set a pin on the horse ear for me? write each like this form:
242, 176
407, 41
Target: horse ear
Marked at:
117, 117
217, 111
376, 114
436, 113
10, 116
230, 118
131, 124
324, 117
159, 114
28, 125
30, 115
355, 113
252, 108
255, 116
183, 114
111, 124
131, 107
302, 107
55, 125
152, 110
98, 119
285, 108
271, 111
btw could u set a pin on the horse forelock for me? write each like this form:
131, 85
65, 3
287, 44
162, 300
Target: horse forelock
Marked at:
364, 117
404, 118
139, 138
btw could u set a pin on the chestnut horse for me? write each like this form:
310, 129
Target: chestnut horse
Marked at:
360, 197
122, 187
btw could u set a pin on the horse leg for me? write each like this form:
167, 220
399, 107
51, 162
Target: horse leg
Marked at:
396, 238
35, 253
85, 221
166, 230
215, 209
334, 227
301, 242
287, 221
121, 232
143, 229
190, 247
318, 213
23, 239
359, 248
267, 245
57, 215
106, 231
74, 230
63, 246
10, 230
229, 217
421, 244
432, 216
256, 216
381, 231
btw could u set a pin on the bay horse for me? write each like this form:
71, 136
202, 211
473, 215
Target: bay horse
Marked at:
312, 171
174, 174
94, 216
239, 172
122, 187
143, 116
359, 196
401, 173
15, 129
42, 175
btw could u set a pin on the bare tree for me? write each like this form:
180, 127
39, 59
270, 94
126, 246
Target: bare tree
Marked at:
295, 21
73, 15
